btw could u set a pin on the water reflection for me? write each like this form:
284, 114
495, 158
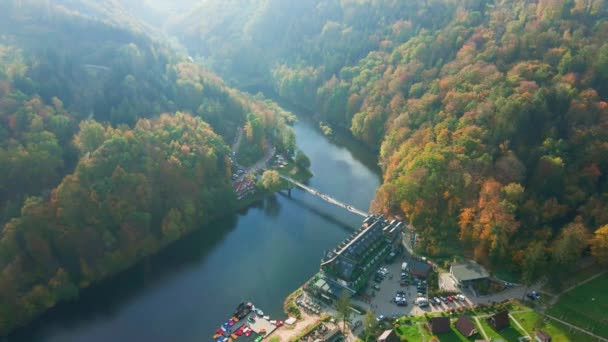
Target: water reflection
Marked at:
320, 213
272, 207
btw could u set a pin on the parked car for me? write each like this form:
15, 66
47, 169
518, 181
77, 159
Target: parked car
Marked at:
460, 297
533, 295
380, 318
437, 300
402, 302
422, 302
443, 299
450, 299
376, 287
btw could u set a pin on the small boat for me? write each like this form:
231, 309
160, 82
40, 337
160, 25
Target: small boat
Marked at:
259, 338
235, 319
231, 322
219, 331
250, 320
279, 324
243, 310
259, 312
248, 332
234, 336
216, 336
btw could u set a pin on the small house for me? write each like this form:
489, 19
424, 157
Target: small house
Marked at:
389, 336
439, 325
465, 326
499, 321
542, 336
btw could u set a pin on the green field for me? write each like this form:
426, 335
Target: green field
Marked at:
410, 332
532, 320
586, 306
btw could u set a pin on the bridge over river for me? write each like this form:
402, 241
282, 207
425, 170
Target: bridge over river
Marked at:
326, 197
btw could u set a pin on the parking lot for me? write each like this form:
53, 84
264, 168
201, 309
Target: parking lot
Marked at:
382, 300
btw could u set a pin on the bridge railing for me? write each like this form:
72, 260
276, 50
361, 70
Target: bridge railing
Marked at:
325, 197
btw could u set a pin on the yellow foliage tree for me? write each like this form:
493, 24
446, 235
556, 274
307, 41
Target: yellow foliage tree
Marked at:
599, 245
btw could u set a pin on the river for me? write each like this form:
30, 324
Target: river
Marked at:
261, 254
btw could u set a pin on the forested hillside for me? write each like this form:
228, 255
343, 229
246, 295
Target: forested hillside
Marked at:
490, 117
111, 147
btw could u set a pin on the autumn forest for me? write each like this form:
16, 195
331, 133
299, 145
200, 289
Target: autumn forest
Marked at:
489, 119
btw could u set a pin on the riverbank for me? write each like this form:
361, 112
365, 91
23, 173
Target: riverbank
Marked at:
144, 259
194, 278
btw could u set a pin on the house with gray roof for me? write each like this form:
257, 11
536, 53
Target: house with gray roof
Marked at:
466, 272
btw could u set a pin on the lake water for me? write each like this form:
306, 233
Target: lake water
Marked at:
261, 254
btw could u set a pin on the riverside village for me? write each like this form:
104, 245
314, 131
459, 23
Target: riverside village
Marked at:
372, 287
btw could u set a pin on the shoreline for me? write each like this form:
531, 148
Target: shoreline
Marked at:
241, 206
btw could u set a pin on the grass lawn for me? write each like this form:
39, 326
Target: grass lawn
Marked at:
573, 279
585, 306
509, 333
559, 332
410, 332
455, 336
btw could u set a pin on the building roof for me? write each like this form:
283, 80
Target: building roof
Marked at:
468, 270
465, 326
418, 267
439, 324
331, 335
388, 336
543, 336
385, 335
329, 287
500, 320
359, 241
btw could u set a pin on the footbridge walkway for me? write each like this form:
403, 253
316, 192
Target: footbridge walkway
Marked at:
326, 197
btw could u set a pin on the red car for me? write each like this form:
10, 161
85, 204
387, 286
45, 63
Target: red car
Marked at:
279, 324
450, 299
